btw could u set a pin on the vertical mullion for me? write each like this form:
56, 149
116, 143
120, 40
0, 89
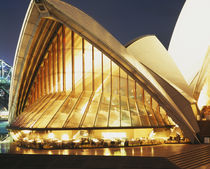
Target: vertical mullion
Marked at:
102, 71
35, 91
50, 71
145, 108
42, 81
72, 52
154, 113
83, 63
54, 67
64, 56
99, 104
39, 88
120, 98
47, 76
93, 68
58, 63
110, 102
137, 108
128, 102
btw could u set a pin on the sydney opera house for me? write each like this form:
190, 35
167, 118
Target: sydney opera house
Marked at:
73, 80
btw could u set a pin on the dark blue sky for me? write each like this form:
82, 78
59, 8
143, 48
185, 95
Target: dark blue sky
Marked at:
124, 19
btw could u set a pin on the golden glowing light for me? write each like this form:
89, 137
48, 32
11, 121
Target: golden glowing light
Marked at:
51, 135
65, 137
76, 141
95, 140
113, 135
26, 131
107, 152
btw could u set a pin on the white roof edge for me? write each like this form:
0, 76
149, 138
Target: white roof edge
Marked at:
16, 58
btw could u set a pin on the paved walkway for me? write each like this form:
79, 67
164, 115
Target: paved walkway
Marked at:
164, 150
142, 157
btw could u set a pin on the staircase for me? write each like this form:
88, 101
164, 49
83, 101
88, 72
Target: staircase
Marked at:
192, 159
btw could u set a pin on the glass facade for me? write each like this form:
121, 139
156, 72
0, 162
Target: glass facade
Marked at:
77, 86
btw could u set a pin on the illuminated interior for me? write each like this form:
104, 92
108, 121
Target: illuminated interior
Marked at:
57, 139
85, 88
75, 92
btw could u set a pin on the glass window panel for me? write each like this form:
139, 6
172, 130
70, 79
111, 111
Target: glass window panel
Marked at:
140, 103
171, 121
147, 102
88, 65
65, 110
114, 117
106, 74
78, 111
103, 112
42, 81
115, 79
131, 87
139, 92
68, 58
39, 112
50, 112
28, 111
37, 108
164, 116
50, 65
143, 114
60, 60
123, 83
132, 103
125, 113
91, 114
78, 69
156, 110
55, 65
39, 83
134, 113
46, 76
97, 70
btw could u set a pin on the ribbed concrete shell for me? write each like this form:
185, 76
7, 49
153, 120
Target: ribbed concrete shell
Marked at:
189, 45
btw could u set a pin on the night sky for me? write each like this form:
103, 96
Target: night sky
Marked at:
124, 19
